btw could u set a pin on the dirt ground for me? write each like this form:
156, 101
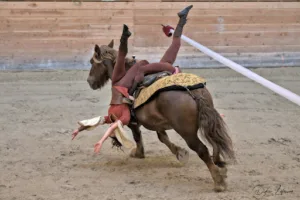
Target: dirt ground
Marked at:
39, 111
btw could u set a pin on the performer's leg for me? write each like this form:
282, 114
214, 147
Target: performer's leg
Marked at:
128, 78
119, 68
150, 69
171, 53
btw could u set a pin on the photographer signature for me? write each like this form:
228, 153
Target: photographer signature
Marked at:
261, 191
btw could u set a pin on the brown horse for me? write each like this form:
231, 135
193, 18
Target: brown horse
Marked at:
182, 111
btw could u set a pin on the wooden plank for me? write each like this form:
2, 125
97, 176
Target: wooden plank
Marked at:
141, 42
224, 28
8, 26
222, 49
69, 20
60, 35
290, 38
56, 44
249, 60
220, 12
147, 5
145, 41
65, 13
148, 12
216, 5
67, 5
155, 20
88, 55
22, 27
80, 49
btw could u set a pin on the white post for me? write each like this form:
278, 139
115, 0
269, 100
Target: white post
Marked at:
246, 72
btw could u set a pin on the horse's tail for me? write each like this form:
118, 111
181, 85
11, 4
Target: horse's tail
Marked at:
212, 126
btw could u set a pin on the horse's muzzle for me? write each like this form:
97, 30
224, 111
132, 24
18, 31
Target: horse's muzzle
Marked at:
92, 83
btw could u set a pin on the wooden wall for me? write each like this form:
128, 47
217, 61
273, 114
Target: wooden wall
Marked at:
52, 35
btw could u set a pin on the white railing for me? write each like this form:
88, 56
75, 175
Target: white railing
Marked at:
246, 72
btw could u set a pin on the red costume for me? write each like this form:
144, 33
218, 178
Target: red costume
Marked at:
124, 83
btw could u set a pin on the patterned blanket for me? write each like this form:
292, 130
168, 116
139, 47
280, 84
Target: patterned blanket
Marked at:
179, 81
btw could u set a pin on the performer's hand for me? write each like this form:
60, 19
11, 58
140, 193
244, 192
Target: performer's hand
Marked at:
97, 147
74, 134
166, 29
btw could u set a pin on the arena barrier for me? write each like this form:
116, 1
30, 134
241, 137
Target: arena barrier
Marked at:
246, 72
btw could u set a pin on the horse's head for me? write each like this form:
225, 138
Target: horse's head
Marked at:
102, 63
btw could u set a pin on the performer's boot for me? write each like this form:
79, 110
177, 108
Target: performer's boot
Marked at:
124, 39
182, 21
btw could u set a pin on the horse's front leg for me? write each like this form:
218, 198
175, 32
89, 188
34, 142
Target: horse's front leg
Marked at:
138, 152
181, 154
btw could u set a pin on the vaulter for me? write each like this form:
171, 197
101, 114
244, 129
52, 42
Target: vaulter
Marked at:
125, 83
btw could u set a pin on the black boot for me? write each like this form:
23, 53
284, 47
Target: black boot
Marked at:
182, 21
124, 38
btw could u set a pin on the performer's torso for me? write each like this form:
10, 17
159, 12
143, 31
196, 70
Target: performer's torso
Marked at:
128, 79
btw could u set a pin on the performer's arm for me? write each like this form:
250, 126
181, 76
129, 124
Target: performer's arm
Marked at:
109, 132
81, 128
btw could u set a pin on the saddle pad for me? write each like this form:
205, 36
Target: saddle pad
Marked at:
179, 81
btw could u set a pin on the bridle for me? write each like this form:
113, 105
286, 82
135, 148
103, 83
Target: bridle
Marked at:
95, 59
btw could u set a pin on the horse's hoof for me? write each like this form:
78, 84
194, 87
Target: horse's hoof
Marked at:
220, 175
182, 156
135, 154
220, 188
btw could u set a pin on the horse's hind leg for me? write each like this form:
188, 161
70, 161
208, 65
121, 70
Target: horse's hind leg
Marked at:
218, 174
181, 154
138, 152
216, 156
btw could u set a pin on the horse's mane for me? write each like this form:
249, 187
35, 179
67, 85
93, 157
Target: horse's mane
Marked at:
111, 54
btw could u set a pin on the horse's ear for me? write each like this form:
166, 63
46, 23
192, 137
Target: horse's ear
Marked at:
97, 49
111, 44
